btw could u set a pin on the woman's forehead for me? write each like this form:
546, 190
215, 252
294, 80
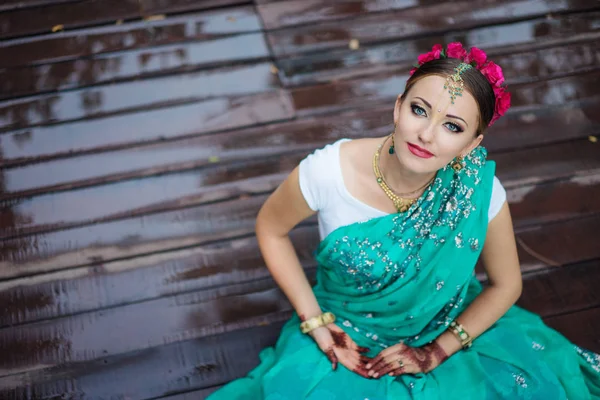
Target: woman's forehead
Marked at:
431, 88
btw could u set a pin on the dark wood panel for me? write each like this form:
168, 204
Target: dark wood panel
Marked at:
582, 328
193, 315
281, 14
130, 129
93, 12
195, 395
529, 127
533, 59
337, 96
130, 35
419, 21
112, 284
16, 4
559, 243
136, 95
562, 290
130, 65
154, 372
533, 203
183, 227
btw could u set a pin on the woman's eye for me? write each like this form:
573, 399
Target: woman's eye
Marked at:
453, 127
418, 110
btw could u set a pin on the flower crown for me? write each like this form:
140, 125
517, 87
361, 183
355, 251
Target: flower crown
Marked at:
477, 59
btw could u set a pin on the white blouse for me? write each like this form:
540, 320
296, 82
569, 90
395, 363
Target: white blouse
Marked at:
322, 185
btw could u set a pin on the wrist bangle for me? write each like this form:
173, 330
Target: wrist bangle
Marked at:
317, 322
463, 336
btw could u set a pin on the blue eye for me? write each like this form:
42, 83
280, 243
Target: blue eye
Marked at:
453, 127
418, 110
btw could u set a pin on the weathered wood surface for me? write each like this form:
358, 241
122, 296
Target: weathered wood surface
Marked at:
138, 142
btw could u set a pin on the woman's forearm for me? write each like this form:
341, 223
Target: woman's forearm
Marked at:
482, 313
282, 261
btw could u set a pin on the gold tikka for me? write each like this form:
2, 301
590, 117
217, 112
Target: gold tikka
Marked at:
402, 204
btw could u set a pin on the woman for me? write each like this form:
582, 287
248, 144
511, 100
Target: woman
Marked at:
397, 312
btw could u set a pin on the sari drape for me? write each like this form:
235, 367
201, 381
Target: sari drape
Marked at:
404, 278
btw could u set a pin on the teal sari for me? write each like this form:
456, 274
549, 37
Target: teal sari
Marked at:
404, 278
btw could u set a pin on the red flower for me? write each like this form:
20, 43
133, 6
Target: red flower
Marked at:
456, 50
493, 73
502, 103
434, 54
412, 71
477, 55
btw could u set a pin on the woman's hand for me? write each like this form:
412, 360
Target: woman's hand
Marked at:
339, 347
402, 359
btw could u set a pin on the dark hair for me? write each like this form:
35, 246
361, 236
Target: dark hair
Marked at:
475, 83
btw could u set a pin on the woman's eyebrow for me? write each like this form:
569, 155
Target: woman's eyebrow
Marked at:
447, 115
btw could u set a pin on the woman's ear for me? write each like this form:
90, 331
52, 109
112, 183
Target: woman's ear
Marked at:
472, 145
397, 108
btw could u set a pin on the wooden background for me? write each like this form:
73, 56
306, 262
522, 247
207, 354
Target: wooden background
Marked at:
138, 141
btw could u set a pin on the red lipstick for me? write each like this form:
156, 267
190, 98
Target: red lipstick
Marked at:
419, 151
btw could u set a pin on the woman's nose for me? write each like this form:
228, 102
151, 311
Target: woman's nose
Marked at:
426, 134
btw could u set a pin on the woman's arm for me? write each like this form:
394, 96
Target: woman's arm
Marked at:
283, 210
502, 266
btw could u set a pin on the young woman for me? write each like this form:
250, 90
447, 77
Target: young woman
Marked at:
397, 312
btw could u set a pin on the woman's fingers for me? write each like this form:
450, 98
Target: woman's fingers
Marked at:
331, 356
389, 368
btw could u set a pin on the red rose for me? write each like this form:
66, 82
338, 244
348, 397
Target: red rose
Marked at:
455, 50
502, 103
477, 55
412, 71
493, 73
434, 54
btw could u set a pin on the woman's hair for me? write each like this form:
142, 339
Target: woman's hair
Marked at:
475, 83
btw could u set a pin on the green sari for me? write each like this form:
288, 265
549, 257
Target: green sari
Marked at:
404, 278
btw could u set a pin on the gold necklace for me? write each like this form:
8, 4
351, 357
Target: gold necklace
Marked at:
402, 204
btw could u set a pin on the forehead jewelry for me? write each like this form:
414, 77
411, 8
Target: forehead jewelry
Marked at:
454, 83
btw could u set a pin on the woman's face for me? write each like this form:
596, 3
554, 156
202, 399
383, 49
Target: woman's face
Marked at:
431, 131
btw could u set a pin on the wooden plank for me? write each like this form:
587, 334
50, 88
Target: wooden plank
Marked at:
557, 291
525, 59
582, 327
93, 12
276, 15
124, 97
130, 65
159, 371
192, 315
8, 5
139, 279
71, 45
411, 22
337, 96
525, 128
126, 130
533, 203
195, 395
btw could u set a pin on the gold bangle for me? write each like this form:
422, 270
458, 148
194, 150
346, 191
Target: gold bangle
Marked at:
317, 322
461, 334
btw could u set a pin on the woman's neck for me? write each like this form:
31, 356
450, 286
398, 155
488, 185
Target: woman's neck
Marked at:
397, 176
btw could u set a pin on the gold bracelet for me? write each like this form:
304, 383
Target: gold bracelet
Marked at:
317, 322
463, 336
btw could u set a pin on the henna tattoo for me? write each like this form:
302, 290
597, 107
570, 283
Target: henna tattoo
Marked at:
340, 339
332, 358
363, 349
426, 357
361, 370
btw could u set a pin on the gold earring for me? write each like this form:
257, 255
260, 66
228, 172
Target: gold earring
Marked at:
391, 150
457, 164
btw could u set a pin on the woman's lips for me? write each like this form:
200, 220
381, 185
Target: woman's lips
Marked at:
418, 151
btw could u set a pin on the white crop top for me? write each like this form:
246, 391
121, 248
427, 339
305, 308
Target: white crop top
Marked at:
322, 185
